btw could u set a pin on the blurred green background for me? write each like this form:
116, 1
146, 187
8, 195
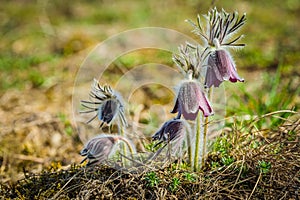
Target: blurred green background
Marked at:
37, 33
43, 43
37, 37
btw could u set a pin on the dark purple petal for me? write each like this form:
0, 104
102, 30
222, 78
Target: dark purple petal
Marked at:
108, 110
174, 129
234, 77
170, 131
159, 134
175, 109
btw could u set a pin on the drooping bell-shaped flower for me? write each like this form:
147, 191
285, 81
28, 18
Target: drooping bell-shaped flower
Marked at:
106, 103
190, 99
220, 68
98, 149
218, 36
170, 131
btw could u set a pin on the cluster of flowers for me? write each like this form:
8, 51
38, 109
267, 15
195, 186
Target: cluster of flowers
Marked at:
108, 106
203, 66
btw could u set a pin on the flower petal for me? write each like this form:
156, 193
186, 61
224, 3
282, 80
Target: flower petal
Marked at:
175, 129
221, 68
159, 134
190, 116
211, 79
170, 131
108, 110
234, 77
230, 66
223, 63
175, 109
213, 64
204, 104
98, 149
188, 97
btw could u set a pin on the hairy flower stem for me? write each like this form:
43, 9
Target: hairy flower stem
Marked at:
201, 135
204, 141
189, 145
169, 152
121, 133
209, 94
128, 145
197, 142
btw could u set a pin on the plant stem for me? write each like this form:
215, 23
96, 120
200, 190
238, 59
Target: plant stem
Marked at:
132, 151
169, 152
197, 142
201, 134
204, 141
189, 145
209, 94
121, 133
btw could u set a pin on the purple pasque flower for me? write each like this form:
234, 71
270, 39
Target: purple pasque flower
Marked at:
218, 30
190, 99
170, 131
106, 103
98, 149
220, 68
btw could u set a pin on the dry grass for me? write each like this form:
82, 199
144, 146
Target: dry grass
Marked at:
245, 178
